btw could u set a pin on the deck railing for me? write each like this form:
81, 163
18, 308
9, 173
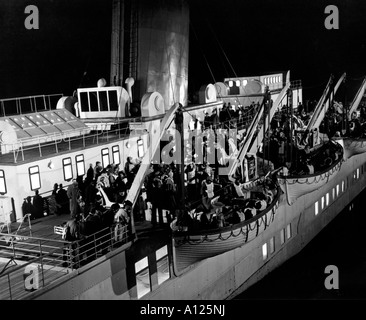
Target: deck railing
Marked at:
38, 262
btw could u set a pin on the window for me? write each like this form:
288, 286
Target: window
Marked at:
115, 155
2, 182
93, 98
343, 186
358, 173
103, 101
327, 199
322, 202
337, 190
105, 157
84, 102
142, 277
113, 100
333, 194
231, 83
316, 208
282, 236
67, 167
288, 231
80, 166
140, 148
162, 263
271, 245
264, 251
35, 178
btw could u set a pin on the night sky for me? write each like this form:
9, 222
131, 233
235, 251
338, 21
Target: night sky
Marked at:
232, 37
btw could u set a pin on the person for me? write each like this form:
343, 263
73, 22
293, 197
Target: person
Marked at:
129, 171
89, 174
207, 192
73, 193
72, 234
191, 177
170, 194
97, 169
54, 206
121, 219
63, 200
27, 207
38, 205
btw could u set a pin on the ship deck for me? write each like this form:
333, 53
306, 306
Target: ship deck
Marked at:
38, 244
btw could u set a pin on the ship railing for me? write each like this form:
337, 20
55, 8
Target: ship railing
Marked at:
30, 103
57, 143
39, 261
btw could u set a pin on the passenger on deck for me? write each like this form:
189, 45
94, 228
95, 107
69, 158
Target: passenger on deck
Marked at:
27, 207
207, 192
38, 205
63, 200
97, 169
73, 193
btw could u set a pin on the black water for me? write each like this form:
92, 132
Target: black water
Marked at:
342, 244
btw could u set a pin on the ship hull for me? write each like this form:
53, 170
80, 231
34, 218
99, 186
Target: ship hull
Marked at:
228, 274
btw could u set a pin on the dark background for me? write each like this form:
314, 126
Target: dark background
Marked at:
232, 37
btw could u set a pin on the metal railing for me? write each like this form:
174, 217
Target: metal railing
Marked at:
59, 143
39, 262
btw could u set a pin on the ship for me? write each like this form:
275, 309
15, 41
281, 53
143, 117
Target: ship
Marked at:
53, 138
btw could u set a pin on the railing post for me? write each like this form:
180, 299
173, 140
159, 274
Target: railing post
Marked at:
41, 256
39, 147
95, 246
11, 298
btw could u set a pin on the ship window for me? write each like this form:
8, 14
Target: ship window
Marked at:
116, 155
162, 263
80, 165
142, 277
337, 190
271, 245
343, 186
93, 101
237, 83
316, 208
84, 102
282, 236
113, 100
67, 167
231, 83
358, 173
264, 251
327, 199
322, 203
140, 148
288, 231
333, 194
245, 82
34, 178
103, 101
2, 182
105, 157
